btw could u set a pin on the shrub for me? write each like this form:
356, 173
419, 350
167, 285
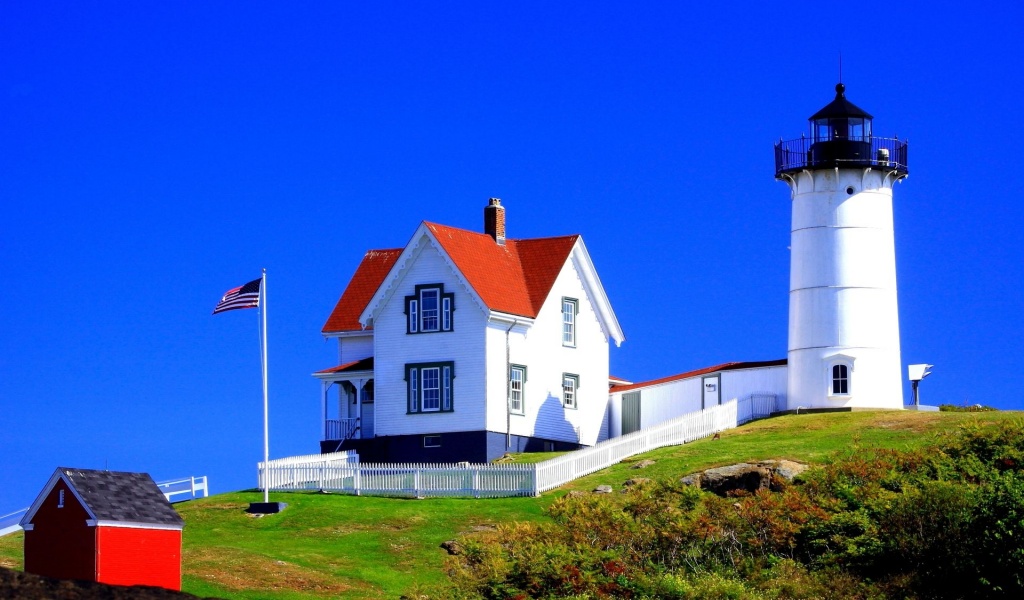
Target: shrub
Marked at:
947, 522
965, 408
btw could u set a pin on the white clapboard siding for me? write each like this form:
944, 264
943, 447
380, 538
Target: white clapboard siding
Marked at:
341, 471
463, 346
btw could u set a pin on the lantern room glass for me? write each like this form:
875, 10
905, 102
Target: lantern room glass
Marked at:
855, 129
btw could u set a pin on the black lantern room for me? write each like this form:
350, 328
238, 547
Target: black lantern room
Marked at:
840, 137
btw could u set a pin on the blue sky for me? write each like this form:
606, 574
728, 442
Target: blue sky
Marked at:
153, 155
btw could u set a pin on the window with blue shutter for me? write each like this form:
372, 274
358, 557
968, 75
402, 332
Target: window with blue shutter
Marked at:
430, 309
431, 387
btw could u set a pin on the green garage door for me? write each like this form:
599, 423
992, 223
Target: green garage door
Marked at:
630, 412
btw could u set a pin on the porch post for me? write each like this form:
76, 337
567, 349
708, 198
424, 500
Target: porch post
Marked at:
324, 386
359, 407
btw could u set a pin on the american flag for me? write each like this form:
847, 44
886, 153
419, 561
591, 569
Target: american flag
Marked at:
247, 296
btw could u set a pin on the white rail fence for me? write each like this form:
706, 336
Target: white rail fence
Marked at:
342, 472
190, 487
11, 522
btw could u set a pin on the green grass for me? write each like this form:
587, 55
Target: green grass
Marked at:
804, 438
533, 457
330, 545
339, 546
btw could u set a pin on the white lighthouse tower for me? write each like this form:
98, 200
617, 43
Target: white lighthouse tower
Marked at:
844, 336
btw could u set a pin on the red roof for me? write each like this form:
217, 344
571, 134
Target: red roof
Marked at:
613, 381
729, 366
371, 273
513, 278
365, 364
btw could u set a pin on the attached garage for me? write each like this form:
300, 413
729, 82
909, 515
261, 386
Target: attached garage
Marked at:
634, 406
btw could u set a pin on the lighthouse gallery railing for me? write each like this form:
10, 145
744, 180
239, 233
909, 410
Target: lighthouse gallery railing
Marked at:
796, 155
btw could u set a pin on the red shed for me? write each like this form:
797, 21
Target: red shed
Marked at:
104, 526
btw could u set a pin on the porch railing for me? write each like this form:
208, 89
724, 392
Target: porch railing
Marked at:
340, 429
342, 472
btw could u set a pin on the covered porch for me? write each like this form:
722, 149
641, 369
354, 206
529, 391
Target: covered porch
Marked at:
349, 415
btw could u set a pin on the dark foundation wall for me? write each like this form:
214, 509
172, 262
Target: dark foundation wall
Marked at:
452, 447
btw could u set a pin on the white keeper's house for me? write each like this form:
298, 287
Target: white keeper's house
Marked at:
462, 346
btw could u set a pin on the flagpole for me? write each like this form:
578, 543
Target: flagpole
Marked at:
266, 428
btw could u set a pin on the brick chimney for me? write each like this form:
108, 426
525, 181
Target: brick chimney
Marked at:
494, 220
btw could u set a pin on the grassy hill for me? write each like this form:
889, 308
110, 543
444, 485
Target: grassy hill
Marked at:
359, 547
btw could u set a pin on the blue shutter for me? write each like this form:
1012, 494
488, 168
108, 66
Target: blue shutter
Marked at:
447, 383
414, 404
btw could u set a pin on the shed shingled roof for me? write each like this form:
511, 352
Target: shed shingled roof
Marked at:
513, 278
121, 496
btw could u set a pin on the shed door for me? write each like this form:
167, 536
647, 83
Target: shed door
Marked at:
712, 393
630, 412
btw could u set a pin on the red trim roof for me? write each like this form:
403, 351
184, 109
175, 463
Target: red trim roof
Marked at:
513, 278
365, 364
729, 366
368, 276
613, 380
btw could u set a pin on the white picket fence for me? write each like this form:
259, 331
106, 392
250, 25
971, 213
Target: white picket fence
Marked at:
342, 472
307, 472
680, 430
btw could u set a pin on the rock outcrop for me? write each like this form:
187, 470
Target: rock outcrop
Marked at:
746, 477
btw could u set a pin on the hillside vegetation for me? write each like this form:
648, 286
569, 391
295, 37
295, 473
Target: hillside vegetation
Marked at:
358, 547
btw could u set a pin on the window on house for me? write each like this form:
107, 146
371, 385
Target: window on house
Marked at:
60, 499
570, 387
431, 441
570, 307
517, 389
429, 310
430, 387
840, 380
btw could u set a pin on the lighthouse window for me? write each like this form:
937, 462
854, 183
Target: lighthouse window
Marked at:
821, 130
857, 129
840, 380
